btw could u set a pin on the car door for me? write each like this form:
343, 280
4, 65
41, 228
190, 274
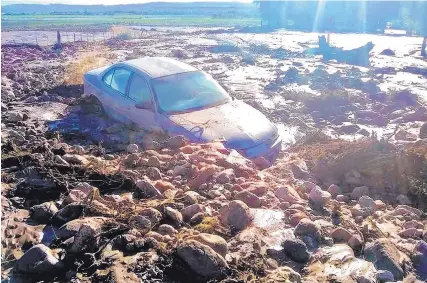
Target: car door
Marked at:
115, 87
140, 104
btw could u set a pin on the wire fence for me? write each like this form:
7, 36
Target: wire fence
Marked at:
47, 38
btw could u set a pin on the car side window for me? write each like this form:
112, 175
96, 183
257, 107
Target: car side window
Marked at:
108, 76
120, 80
139, 90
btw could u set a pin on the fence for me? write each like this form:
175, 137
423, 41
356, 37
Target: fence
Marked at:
45, 38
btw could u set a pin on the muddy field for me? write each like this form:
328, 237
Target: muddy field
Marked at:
87, 199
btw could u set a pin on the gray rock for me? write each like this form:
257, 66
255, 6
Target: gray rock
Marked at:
423, 131
296, 250
197, 218
251, 199
152, 214
60, 161
174, 215
147, 190
154, 173
15, 117
86, 238
202, 259
319, 197
166, 229
385, 276
132, 148
42, 213
69, 212
38, 260
75, 159
189, 211
306, 227
385, 256
359, 191
236, 215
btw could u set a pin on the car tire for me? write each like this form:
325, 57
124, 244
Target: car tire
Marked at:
95, 106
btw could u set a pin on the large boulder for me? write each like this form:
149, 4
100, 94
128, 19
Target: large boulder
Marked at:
38, 260
202, 259
236, 215
385, 256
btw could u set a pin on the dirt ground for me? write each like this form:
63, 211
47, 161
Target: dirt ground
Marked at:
85, 198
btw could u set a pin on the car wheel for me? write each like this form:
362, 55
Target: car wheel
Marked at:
94, 106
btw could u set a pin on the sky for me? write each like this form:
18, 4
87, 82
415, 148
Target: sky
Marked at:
105, 2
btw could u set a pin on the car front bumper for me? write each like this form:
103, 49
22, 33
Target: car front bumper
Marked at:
269, 151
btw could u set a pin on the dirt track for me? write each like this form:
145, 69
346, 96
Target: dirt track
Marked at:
133, 216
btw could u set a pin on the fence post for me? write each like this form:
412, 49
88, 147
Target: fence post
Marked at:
74, 37
37, 42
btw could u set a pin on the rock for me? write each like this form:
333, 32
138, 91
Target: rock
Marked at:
78, 149
368, 203
140, 222
147, 190
307, 227
403, 199
166, 229
42, 213
72, 227
132, 148
411, 233
385, 256
69, 212
356, 243
225, 176
296, 218
202, 259
423, 131
154, 161
287, 193
404, 135
236, 215
154, 173
217, 243
388, 52
341, 235
60, 161
152, 214
334, 190
174, 215
252, 200
385, 276
342, 198
359, 191
296, 250
86, 238
283, 274
419, 258
319, 197
15, 117
299, 169
353, 178
74, 196
75, 159
39, 260
197, 218
191, 197
176, 142
349, 129
189, 211
109, 157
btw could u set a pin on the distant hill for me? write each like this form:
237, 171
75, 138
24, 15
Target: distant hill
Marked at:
153, 8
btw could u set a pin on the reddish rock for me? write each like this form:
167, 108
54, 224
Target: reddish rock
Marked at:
249, 198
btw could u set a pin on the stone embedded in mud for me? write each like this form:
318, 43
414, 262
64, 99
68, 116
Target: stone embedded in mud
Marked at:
176, 142
174, 215
296, 250
39, 260
283, 274
86, 238
359, 191
152, 214
334, 190
166, 229
385, 256
287, 193
307, 227
197, 218
132, 148
202, 259
42, 213
411, 233
69, 212
252, 200
319, 197
236, 215
385, 276
154, 173
189, 211
341, 235
15, 117
147, 190
60, 161
217, 243
140, 222
75, 159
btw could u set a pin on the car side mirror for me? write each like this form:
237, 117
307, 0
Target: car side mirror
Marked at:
144, 105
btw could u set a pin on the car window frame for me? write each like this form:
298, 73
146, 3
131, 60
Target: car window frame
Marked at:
148, 84
114, 71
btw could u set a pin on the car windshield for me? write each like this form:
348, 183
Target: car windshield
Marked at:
188, 91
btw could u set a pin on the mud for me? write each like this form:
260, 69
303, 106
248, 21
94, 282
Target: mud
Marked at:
352, 172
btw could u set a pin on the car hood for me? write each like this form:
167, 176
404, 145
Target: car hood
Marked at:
239, 124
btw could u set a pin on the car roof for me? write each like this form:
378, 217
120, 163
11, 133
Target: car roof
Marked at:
157, 67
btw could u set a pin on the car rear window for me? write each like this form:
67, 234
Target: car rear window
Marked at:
120, 80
